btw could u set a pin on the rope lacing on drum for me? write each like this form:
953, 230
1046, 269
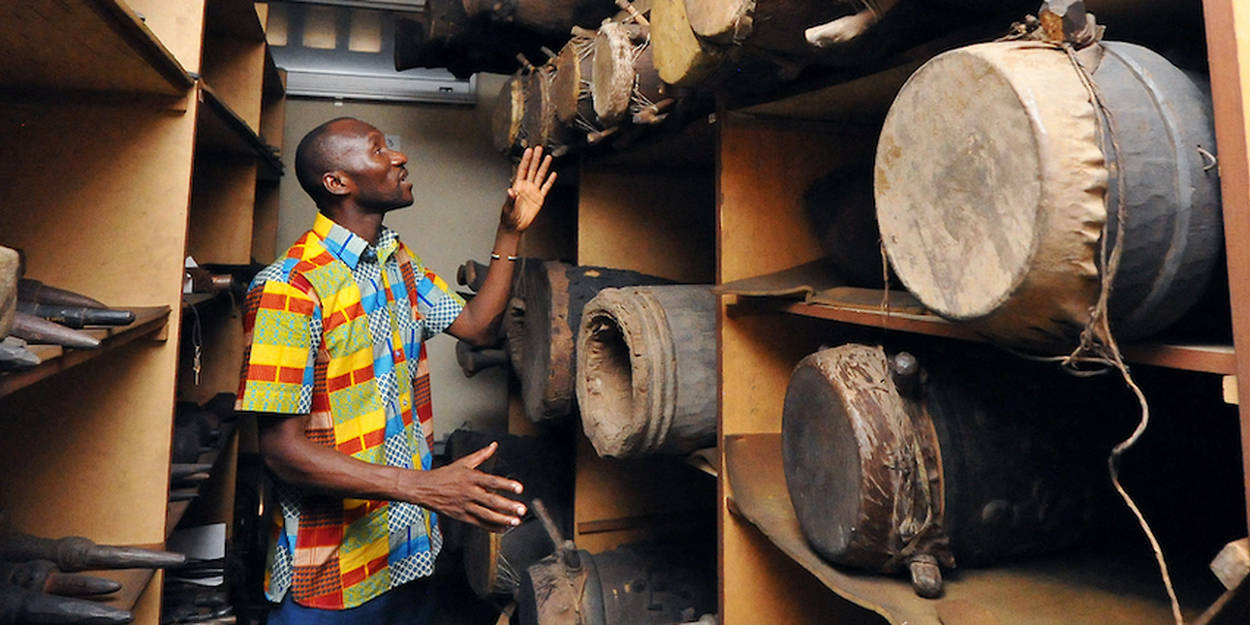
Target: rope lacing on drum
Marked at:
637, 101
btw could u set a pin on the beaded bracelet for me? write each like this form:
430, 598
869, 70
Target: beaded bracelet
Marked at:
495, 256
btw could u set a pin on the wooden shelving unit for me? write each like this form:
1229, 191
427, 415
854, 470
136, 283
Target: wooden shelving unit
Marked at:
768, 152
129, 161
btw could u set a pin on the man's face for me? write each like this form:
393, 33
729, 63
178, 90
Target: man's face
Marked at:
378, 173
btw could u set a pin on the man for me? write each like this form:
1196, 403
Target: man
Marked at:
335, 371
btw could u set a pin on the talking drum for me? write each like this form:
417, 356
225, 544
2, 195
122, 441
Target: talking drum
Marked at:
505, 126
893, 468
571, 89
626, 85
998, 182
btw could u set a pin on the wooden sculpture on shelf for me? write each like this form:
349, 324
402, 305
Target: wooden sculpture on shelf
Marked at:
43, 576
77, 316
646, 370
76, 553
19, 606
34, 291
39, 330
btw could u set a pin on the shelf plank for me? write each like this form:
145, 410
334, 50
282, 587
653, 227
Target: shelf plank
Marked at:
1072, 589
177, 509
93, 45
133, 581
1202, 357
148, 321
220, 130
235, 19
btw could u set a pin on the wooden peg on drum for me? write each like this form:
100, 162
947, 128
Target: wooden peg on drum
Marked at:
628, 7
595, 137
654, 113
550, 55
525, 63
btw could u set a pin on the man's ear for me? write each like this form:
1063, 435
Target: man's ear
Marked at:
336, 182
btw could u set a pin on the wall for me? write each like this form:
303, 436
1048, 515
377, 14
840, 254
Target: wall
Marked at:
458, 182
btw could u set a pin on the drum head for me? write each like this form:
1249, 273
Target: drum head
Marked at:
506, 119
567, 90
614, 73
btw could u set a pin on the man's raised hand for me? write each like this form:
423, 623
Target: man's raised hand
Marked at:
528, 191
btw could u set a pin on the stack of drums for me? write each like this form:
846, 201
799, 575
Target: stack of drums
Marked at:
1000, 220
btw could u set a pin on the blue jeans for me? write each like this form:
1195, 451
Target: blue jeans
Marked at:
410, 604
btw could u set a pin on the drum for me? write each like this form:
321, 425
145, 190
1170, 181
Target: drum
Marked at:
539, 126
571, 89
505, 127
627, 85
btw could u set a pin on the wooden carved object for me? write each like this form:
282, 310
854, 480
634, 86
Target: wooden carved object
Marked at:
75, 553
994, 206
43, 576
897, 465
19, 606
39, 330
29, 290
646, 370
77, 316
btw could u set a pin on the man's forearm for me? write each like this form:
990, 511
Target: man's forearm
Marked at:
316, 469
483, 314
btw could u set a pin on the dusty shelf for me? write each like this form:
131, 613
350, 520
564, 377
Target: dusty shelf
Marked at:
1070, 588
148, 321
93, 45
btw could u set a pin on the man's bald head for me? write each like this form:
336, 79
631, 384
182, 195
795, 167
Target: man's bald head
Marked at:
317, 155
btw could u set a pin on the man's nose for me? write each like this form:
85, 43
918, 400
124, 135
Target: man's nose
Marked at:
399, 158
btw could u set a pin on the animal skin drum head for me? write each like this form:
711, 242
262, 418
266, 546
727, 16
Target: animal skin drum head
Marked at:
614, 73
506, 119
568, 88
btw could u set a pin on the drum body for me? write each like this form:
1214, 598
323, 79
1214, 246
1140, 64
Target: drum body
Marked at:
646, 370
627, 81
887, 460
505, 127
539, 126
998, 182
571, 89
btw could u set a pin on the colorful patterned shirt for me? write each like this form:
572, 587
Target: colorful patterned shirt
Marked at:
332, 328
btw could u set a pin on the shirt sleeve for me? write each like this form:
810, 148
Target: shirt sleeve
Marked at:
280, 350
437, 303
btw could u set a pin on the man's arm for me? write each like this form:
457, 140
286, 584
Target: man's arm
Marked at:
457, 490
479, 322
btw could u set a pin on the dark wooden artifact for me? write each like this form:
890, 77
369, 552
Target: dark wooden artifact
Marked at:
896, 465
495, 562
505, 121
839, 206
43, 576
181, 470
638, 584
29, 290
471, 274
542, 322
473, 359
446, 36
14, 356
574, 76
19, 606
998, 218
39, 330
75, 553
547, 17
539, 126
646, 370
77, 316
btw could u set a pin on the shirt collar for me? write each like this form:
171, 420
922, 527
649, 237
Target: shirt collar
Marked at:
348, 247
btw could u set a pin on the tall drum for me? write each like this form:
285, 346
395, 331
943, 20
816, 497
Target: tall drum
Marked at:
998, 179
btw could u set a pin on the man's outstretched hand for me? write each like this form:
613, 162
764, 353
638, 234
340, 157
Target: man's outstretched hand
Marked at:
461, 492
528, 191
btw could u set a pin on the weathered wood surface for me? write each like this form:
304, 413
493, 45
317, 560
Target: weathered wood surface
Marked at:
9, 264
646, 370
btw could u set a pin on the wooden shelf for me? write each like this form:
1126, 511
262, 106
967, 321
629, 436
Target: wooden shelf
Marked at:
133, 581
1208, 358
219, 130
148, 321
177, 509
1072, 589
233, 19
92, 45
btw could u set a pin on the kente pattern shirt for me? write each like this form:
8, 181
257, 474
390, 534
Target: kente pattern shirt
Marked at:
336, 330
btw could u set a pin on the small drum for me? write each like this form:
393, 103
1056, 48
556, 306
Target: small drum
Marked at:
626, 80
505, 126
571, 89
539, 126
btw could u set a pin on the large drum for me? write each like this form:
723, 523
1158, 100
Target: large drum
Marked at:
539, 126
646, 370
998, 182
571, 89
897, 465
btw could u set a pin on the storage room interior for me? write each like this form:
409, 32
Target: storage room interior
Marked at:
839, 311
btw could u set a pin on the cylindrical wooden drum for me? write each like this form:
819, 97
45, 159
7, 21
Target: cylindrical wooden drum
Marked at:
680, 58
637, 584
997, 180
539, 126
571, 89
495, 562
773, 25
505, 127
646, 370
542, 322
626, 81
891, 465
